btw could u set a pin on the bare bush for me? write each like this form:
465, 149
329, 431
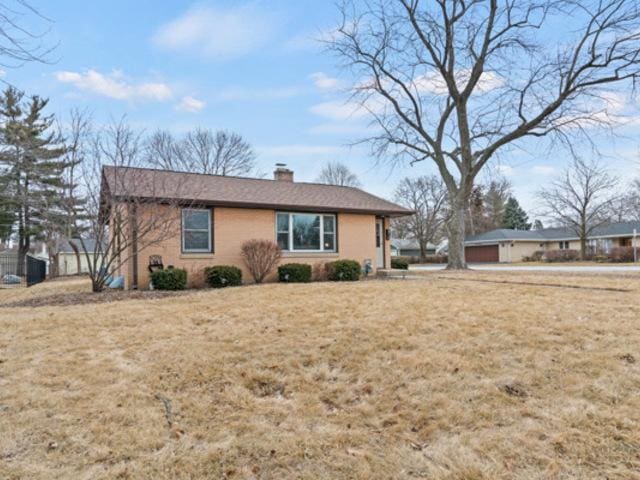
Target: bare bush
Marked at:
260, 256
561, 256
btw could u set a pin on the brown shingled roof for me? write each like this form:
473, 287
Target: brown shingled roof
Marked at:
123, 182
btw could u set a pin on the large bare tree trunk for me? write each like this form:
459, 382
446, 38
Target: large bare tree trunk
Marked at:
583, 239
456, 229
76, 251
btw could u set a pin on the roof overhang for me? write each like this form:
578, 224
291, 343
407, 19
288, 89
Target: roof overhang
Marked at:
263, 206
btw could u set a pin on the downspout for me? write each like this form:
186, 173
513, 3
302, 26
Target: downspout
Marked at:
134, 246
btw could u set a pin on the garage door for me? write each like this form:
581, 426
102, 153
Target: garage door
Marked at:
486, 253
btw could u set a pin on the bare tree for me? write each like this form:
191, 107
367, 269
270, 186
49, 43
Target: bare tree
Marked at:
20, 42
457, 82
119, 224
427, 196
336, 173
201, 151
77, 135
162, 151
581, 199
628, 207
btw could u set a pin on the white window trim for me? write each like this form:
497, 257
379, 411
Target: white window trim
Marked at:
290, 248
208, 230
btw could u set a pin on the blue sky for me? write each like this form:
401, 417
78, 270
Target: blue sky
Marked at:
252, 67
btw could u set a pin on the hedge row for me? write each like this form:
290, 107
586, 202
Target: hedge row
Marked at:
222, 276
617, 254
434, 258
399, 263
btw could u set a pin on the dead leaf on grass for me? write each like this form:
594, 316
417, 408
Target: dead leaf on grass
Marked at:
265, 387
627, 357
515, 390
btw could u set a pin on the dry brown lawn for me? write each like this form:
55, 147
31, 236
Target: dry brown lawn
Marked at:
576, 263
444, 377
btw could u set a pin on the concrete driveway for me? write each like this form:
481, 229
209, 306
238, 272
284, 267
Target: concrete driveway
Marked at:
538, 268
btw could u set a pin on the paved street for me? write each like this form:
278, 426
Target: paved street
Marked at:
539, 268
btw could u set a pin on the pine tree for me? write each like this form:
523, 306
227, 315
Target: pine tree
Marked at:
7, 214
495, 200
514, 216
30, 153
476, 211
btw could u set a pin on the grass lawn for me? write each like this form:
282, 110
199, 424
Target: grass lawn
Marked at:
481, 375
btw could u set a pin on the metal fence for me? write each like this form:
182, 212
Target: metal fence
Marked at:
15, 273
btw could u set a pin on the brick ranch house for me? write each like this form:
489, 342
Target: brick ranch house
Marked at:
504, 245
214, 215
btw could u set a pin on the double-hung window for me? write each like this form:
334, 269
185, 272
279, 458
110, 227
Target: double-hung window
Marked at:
306, 232
196, 230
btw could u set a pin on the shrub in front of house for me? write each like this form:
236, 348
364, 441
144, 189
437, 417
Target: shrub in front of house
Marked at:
537, 256
319, 272
221, 276
169, 279
436, 258
400, 263
621, 254
561, 256
260, 256
343, 271
294, 273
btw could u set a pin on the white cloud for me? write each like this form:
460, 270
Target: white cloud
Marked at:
543, 170
323, 81
346, 118
340, 128
506, 170
190, 104
215, 32
335, 110
256, 94
115, 85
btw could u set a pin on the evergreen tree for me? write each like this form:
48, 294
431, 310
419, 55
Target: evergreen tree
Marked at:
30, 153
7, 214
514, 216
487, 205
498, 192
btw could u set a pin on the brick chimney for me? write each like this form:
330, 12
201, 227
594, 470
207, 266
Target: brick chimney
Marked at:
282, 173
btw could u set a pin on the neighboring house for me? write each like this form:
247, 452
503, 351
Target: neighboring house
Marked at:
505, 245
215, 215
403, 247
68, 260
